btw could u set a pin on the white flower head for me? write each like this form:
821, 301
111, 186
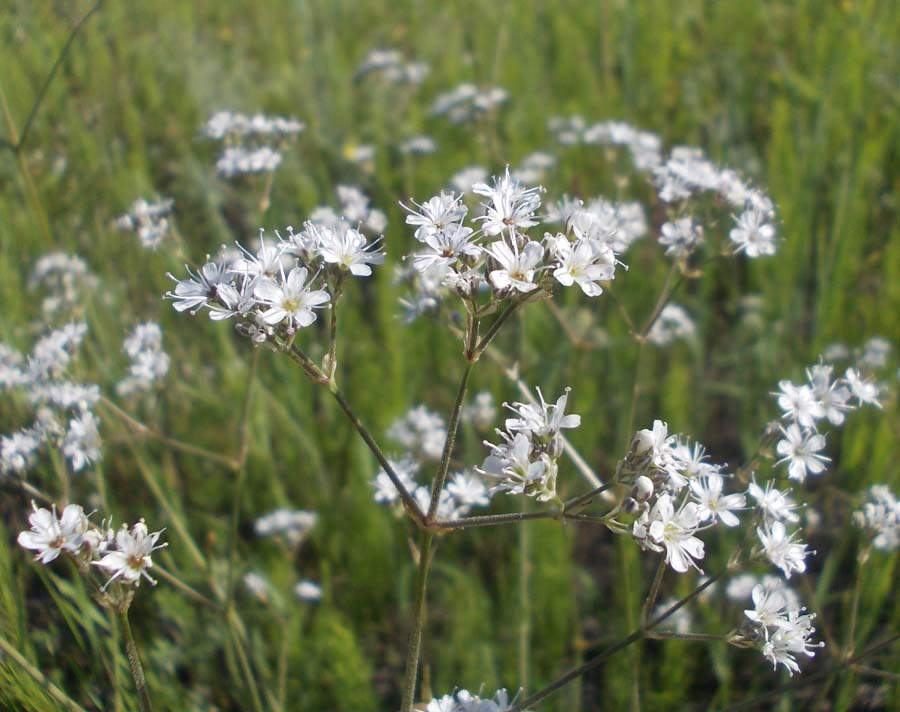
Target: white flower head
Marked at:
292, 300
51, 535
131, 558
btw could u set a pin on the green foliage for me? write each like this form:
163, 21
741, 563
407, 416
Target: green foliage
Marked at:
801, 95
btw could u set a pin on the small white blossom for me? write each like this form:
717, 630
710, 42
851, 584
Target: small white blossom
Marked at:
782, 549
51, 535
800, 449
665, 528
292, 300
754, 236
131, 558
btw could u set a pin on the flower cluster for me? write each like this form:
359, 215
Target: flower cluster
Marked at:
390, 66
125, 554
672, 324
62, 408
149, 220
276, 290
65, 280
525, 461
422, 434
293, 524
684, 174
467, 102
677, 494
511, 264
465, 701
804, 406
781, 624
249, 140
149, 363
881, 515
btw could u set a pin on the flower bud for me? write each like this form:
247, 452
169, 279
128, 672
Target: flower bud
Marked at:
630, 505
643, 488
643, 442
555, 448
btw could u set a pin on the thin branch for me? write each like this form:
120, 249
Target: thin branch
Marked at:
415, 638
596, 660
490, 520
134, 661
42, 92
406, 498
449, 441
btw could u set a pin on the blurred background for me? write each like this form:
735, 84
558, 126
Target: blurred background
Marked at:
801, 96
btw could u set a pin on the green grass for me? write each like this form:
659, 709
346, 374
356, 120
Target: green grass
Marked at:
800, 95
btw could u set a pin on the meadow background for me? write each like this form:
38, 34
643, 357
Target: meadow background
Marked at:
800, 95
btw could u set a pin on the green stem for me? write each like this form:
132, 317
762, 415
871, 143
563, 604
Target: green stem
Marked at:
134, 660
57, 694
490, 520
524, 648
415, 638
494, 328
452, 427
654, 590
408, 502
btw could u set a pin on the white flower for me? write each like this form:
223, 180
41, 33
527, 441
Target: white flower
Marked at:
385, 490
753, 235
82, 443
348, 250
864, 391
195, 292
881, 515
293, 300
293, 524
664, 528
50, 535
800, 449
672, 323
436, 215
800, 404
238, 160
770, 605
131, 558
420, 431
257, 585
681, 237
481, 412
517, 266
512, 465
774, 504
468, 491
790, 638
541, 421
707, 491
17, 451
511, 206
585, 263
833, 397
783, 551
308, 591
445, 247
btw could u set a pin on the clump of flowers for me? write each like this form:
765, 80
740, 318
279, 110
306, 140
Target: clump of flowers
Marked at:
149, 362
149, 220
525, 461
468, 102
63, 416
880, 515
391, 67
251, 144
125, 555
65, 280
